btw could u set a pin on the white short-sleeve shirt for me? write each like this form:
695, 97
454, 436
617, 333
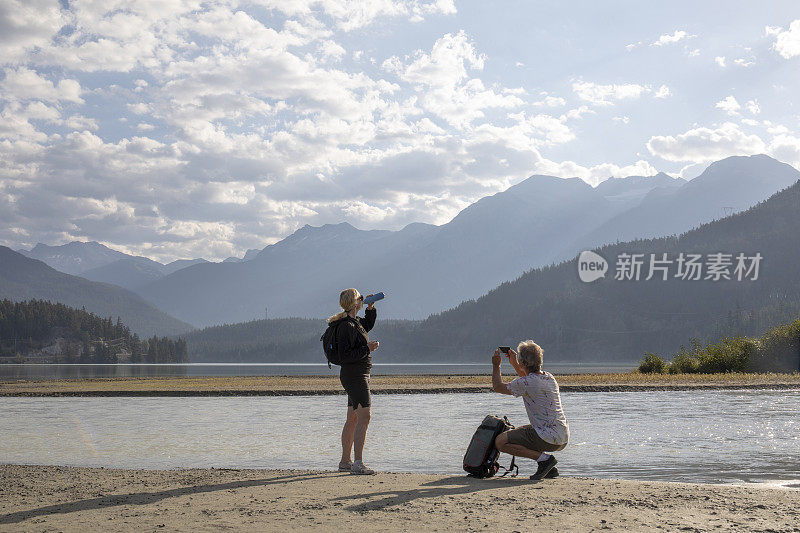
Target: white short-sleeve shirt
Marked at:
543, 403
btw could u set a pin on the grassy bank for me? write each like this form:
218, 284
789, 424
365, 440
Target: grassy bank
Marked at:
301, 385
777, 350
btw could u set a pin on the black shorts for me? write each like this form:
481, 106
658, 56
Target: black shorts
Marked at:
357, 388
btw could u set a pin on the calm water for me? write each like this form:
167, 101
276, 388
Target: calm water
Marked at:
709, 436
51, 371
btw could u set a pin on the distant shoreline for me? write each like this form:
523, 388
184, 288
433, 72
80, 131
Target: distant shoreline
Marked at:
450, 390
193, 386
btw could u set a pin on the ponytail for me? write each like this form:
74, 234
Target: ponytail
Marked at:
337, 316
348, 299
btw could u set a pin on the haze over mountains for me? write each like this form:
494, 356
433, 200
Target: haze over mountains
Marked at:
612, 319
96, 262
605, 320
726, 187
426, 269
23, 278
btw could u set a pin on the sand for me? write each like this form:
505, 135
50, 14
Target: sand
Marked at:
53, 498
393, 384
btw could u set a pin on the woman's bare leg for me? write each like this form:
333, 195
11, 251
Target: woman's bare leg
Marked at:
347, 434
360, 434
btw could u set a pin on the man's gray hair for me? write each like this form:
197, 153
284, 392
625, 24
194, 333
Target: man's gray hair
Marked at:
531, 355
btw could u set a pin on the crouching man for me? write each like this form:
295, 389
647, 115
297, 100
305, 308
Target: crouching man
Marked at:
548, 431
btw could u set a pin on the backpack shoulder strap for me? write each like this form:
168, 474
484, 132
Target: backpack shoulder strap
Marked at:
512, 467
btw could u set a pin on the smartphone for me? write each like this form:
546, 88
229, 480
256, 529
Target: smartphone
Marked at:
505, 349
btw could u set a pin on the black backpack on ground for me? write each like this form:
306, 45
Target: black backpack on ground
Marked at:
329, 345
481, 458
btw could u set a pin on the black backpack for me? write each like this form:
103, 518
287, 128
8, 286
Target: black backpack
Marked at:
329, 345
481, 458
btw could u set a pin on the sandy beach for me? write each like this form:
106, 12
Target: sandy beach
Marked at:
47, 498
390, 384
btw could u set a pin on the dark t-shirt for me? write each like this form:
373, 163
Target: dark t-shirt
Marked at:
352, 339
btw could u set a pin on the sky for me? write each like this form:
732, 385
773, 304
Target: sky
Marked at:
180, 128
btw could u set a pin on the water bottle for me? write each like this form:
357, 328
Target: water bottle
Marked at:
374, 298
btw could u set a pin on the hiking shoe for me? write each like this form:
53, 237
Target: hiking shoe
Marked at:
345, 467
544, 468
552, 473
360, 469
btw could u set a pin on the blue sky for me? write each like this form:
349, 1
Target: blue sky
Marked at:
179, 129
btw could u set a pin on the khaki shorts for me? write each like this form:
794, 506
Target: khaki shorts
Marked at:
526, 436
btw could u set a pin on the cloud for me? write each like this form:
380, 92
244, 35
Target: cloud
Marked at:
27, 24
785, 148
25, 84
706, 144
262, 135
442, 78
603, 95
446, 64
753, 107
180, 128
598, 173
662, 92
550, 101
348, 15
720, 61
787, 43
729, 105
331, 50
665, 39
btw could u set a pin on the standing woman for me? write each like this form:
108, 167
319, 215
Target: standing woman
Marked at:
354, 347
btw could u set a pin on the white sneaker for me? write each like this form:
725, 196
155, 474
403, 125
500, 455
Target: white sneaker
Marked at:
360, 469
345, 467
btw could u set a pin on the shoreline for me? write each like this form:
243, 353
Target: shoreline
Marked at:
191, 386
448, 390
44, 498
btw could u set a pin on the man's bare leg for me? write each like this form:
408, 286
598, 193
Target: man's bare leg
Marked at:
502, 444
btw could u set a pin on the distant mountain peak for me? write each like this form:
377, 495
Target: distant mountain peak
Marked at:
630, 188
739, 169
737, 161
327, 227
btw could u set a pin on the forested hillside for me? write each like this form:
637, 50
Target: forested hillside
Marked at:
22, 278
40, 331
613, 319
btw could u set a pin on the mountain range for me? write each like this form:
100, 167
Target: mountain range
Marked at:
23, 278
96, 262
607, 319
426, 269
423, 268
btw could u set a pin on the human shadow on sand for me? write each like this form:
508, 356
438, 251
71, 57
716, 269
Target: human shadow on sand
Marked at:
449, 486
145, 498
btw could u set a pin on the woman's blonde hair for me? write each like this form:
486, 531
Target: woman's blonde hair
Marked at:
531, 354
348, 300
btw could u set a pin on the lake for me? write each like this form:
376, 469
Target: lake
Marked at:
692, 436
58, 371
